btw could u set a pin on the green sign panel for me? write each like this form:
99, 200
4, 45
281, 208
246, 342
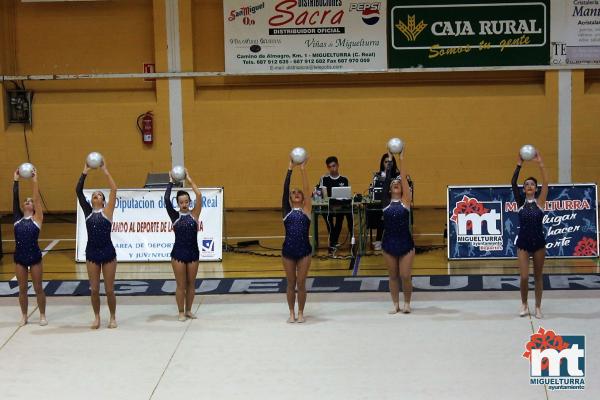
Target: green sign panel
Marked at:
437, 34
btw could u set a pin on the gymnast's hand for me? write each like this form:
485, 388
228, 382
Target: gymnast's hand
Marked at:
303, 165
538, 158
103, 167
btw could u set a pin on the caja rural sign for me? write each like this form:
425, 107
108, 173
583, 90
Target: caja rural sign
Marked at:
468, 33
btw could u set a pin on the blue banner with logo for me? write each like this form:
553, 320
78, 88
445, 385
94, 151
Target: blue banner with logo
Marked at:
483, 222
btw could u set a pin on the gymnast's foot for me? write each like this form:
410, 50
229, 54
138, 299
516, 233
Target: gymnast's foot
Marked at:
23, 321
396, 309
112, 324
406, 309
43, 320
190, 315
300, 319
524, 310
292, 317
96, 323
182, 317
538, 313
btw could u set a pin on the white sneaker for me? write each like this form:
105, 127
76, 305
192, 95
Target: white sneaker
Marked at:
377, 245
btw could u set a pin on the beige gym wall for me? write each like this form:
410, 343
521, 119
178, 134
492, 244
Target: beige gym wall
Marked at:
72, 118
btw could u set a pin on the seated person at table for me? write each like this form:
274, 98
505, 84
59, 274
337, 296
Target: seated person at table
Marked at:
375, 216
334, 221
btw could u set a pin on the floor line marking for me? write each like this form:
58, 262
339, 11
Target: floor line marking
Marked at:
531, 320
50, 246
17, 330
174, 352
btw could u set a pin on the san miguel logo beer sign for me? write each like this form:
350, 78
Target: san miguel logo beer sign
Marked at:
471, 34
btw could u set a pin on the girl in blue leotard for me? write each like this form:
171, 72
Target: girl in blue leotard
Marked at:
27, 224
100, 254
185, 254
296, 252
397, 243
531, 239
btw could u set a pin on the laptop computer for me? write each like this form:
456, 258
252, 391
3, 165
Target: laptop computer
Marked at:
341, 193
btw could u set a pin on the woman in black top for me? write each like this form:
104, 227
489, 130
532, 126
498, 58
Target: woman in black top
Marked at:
375, 216
27, 225
185, 255
100, 254
296, 251
531, 238
397, 244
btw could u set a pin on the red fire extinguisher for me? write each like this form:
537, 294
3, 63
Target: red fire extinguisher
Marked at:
145, 126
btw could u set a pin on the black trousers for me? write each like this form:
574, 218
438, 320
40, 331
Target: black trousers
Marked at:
334, 223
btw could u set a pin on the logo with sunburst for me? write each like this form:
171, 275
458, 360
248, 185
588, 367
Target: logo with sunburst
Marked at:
411, 29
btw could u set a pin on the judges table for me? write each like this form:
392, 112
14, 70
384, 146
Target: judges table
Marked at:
343, 207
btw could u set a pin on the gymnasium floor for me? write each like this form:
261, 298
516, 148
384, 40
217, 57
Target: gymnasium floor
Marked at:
453, 346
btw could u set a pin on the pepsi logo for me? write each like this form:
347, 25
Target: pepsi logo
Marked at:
370, 16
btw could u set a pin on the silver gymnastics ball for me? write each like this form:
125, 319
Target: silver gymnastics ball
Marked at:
395, 145
298, 155
94, 160
528, 152
26, 170
178, 173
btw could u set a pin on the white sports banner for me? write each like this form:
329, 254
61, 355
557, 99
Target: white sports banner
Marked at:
575, 33
280, 36
142, 229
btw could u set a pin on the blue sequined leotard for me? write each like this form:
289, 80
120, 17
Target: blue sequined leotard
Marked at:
397, 239
296, 244
531, 236
27, 232
99, 249
185, 249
